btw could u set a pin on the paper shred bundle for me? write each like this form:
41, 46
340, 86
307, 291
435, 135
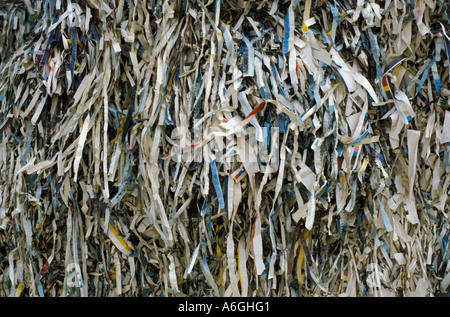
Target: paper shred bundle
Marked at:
224, 148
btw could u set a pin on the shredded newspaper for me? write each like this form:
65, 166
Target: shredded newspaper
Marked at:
224, 148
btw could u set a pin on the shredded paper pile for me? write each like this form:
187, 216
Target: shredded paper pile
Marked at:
224, 148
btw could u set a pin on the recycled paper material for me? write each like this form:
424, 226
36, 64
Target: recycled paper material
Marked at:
224, 148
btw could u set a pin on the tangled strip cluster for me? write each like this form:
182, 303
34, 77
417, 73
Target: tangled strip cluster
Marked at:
224, 148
